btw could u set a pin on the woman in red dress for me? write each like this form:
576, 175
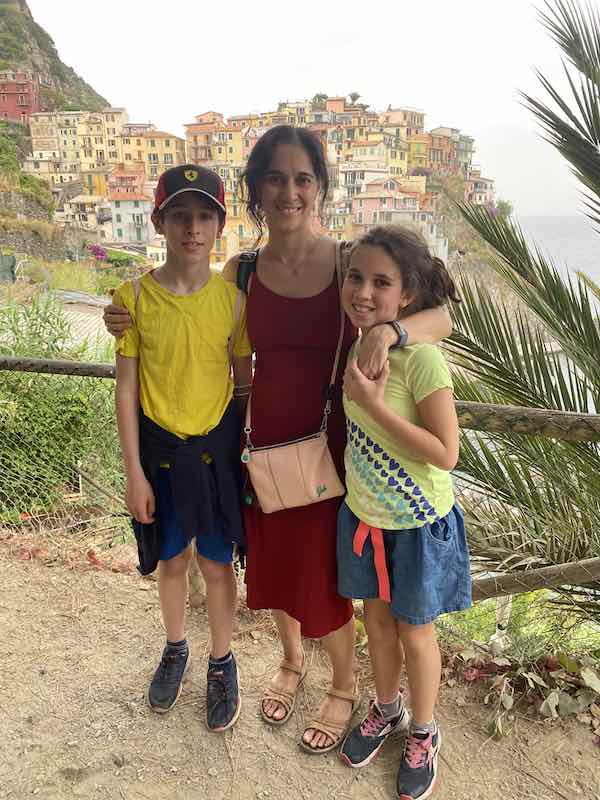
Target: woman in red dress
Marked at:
293, 323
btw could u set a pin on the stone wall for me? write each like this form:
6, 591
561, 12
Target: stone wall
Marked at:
49, 242
18, 205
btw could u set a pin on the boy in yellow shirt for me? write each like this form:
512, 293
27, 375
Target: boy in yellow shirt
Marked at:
179, 429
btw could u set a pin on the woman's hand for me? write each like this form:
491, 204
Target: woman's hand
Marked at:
116, 320
368, 394
374, 349
139, 498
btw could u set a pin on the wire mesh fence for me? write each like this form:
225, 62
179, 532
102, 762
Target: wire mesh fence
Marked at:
61, 475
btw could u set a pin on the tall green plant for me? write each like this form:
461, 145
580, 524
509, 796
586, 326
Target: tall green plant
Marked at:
535, 501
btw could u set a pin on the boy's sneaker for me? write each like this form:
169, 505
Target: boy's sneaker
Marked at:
364, 741
223, 701
165, 687
418, 768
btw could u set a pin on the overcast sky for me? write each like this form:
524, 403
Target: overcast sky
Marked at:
461, 61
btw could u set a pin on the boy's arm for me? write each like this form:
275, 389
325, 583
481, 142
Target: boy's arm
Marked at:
424, 327
242, 382
139, 496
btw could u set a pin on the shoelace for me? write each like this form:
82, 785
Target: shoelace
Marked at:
417, 751
220, 683
373, 723
169, 668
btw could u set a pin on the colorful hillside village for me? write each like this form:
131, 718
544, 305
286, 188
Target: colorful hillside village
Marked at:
384, 168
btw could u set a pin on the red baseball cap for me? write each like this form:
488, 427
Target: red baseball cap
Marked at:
189, 178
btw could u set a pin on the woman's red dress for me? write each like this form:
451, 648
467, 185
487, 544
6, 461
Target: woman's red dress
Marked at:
291, 555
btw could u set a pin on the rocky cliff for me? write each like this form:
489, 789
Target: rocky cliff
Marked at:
24, 43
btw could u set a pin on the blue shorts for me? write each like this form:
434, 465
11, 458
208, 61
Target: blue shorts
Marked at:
421, 572
210, 544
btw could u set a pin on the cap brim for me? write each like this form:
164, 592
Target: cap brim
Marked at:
192, 189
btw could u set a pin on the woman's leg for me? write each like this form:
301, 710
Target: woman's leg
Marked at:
385, 649
340, 647
172, 592
284, 679
423, 668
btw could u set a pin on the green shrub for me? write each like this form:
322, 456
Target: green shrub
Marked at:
120, 259
72, 277
50, 426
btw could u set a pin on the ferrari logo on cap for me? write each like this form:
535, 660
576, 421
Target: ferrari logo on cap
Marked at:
191, 174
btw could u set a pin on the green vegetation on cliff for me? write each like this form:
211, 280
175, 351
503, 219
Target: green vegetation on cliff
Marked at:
13, 148
25, 44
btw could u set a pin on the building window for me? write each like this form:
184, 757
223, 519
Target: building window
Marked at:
167, 143
117, 204
119, 233
117, 217
127, 156
136, 203
138, 234
152, 143
168, 158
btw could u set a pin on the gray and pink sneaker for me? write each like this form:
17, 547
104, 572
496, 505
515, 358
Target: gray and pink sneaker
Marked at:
364, 741
418, 769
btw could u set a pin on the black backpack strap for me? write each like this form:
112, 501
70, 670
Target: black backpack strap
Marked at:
246, 266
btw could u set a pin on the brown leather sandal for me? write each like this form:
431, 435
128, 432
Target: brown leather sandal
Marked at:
334, 730
285, 699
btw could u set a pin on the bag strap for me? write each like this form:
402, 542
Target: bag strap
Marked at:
246, 267
338, 272
340, 248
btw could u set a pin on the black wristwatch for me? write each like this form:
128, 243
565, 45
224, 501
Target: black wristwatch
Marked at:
401, 332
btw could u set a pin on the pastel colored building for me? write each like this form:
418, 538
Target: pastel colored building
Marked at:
199, 136
418, 151
82, 211
413, 119
156, 250
131, 222
21, 94
479, 190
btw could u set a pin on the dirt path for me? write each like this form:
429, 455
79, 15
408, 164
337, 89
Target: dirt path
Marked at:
78, 648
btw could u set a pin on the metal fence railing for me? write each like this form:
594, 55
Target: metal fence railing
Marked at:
60, 472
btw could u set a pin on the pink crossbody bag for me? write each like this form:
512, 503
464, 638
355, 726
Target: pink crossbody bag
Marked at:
300, 472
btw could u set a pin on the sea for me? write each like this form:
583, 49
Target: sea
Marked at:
572, 243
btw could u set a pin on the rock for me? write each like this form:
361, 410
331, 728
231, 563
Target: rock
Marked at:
213, 772
118, 759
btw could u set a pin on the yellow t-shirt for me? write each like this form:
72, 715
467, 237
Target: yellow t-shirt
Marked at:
181, 343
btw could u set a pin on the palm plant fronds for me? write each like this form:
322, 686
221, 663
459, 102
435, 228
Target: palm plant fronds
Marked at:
531, 501
574, 128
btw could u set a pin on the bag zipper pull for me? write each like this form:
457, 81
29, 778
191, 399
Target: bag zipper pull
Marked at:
245, 457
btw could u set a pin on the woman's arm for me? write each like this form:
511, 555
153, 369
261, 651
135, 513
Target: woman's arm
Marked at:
139, 496
425, 327
436, 443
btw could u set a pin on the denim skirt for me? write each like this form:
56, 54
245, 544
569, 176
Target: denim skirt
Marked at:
421, 572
